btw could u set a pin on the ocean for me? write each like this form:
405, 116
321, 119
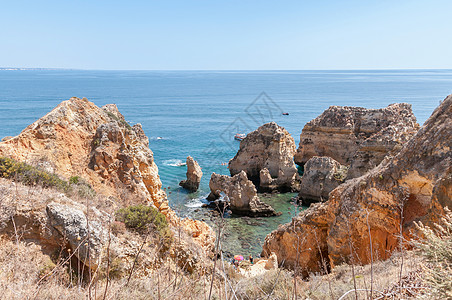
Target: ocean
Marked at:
197, 113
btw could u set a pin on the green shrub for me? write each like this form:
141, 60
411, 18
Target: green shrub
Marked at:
341, 173
141, 217
29, 175
120, 121
74, 180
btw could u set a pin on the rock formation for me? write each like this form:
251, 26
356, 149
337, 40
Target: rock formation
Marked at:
321, 176
241, 193
414, 185
357, 137
269, 147
85, 238
194, 175
77, 138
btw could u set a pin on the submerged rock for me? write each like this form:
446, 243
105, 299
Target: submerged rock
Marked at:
356, 136
194, 175
321, 176
416, 181
272, 148
241, 194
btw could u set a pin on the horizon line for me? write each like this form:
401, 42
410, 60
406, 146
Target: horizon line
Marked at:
218, 70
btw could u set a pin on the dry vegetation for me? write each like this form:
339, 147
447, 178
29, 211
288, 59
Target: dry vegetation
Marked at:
157, 269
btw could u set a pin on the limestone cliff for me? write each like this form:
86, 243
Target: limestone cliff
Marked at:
414, 185
357, 137
77, 138
269, 147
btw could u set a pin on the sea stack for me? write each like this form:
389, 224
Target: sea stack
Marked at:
194, 175
241, 193
269, 148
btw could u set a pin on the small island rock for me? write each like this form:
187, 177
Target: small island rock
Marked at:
194, 175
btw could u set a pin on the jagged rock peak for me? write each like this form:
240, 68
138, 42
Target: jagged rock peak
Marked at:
269, 147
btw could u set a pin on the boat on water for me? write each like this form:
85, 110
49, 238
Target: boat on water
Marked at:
181, 164
239, 136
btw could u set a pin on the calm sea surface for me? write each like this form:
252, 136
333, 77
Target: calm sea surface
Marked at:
197, 112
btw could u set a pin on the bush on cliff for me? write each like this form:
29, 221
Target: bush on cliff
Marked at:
29, 175
141, 217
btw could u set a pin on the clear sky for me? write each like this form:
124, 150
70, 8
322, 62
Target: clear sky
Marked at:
226, 35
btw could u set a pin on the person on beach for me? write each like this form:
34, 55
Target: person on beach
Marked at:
251, 259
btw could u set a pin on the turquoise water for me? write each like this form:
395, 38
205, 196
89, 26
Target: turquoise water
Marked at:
197, 112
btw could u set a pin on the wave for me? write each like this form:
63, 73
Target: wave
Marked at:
196, 202
173, 162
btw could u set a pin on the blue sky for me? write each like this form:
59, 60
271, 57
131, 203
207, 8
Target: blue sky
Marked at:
226, 35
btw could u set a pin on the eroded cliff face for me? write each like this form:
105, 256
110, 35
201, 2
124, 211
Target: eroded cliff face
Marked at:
357, 137
269, 147
77, 138
414, 185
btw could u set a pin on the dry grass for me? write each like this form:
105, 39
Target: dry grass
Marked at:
436, 248
385, 275
30, 271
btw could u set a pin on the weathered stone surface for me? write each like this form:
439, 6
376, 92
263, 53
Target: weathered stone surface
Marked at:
77, 138
416, 181
86, 239
241, 193
357, 137
321, 176
269, 147
306, 234
194, 175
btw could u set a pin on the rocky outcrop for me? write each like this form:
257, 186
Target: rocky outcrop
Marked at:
357, 137
53, 220
269, 147
194, 175
321, 176
85, 238
302, 242
241, 195
414, 185
77, 138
